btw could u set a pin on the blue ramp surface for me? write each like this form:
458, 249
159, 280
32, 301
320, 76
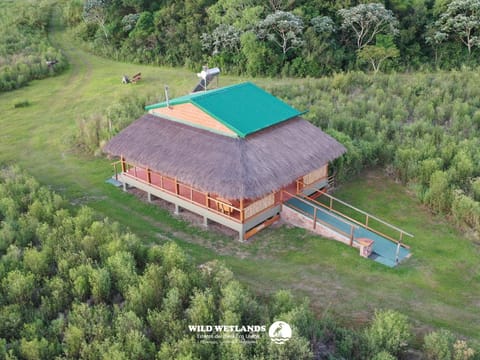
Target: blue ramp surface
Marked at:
384, 250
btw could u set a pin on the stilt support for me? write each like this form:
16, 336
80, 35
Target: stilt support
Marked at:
177, 210
205, 221
149, 195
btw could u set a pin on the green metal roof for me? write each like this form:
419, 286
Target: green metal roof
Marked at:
244, 108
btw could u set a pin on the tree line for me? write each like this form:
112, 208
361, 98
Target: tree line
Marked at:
292, 38
25, 51
75, 285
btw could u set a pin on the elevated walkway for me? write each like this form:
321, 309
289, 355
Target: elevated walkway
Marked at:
327, 221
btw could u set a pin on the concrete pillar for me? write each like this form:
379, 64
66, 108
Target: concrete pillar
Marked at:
241, 236
177, 210
149, 196
124, 186
205, 221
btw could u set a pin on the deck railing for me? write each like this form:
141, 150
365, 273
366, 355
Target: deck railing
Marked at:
216, 204
331, 207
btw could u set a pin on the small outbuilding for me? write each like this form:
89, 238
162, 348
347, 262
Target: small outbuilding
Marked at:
232, 155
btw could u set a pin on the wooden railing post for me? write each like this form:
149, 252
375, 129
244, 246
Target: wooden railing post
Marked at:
242, 211
351, 235
331, 203
122, 160
149, 176
314, 217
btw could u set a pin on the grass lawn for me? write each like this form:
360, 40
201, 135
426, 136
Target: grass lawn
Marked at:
438, 286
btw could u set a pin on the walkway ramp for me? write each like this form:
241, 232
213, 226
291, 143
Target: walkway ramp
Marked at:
385, 251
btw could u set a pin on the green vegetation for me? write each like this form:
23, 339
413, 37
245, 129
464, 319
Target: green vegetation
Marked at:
437, 288
424, 129
292, 38
24, 46
77, 286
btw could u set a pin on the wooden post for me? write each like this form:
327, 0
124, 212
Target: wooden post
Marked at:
207, 200
116, 172
161, 181
331, 203
242, 211
191, 194
135, 171
314, 217
122, 160
351, 235
397, 253
149, 176
177, 187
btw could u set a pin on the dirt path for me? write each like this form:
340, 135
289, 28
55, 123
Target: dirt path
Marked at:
78, 60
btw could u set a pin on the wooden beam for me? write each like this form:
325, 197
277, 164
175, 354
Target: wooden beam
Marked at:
261, 226
242, 213
122, 160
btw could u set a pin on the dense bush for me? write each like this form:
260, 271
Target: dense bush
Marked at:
442, 345
74, 285
95, 130
389, 332
24, 45
303, 38
424, 129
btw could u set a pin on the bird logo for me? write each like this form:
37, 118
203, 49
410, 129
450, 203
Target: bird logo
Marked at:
280, 332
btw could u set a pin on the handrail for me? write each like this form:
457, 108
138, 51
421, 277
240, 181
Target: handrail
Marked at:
323, 222
368, 216
187, 199
313, 205
208, 198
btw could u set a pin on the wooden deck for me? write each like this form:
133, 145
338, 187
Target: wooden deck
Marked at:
247, 216
221, 206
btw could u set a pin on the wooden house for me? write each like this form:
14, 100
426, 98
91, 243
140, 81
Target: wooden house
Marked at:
231, 155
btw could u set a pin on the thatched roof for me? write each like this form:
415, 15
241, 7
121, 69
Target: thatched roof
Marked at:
230, 167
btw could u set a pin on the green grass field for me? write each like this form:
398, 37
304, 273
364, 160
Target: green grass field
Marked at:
438, 286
